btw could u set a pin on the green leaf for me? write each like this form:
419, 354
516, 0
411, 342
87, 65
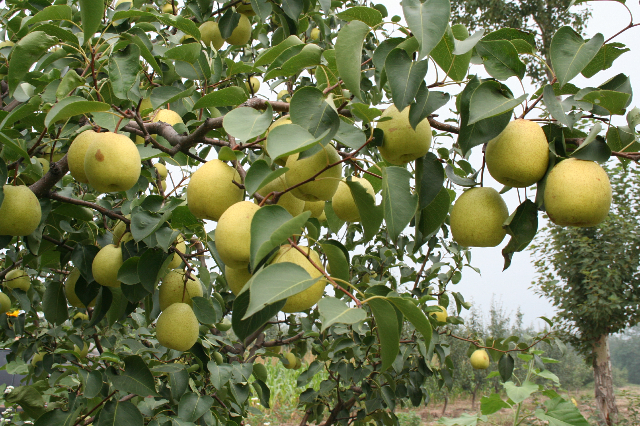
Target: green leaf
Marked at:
405, 77
205, 310
491, 99
293, 8
149, 267
116, 413
415, 316
612, 101
500, 59
82, 257
245, 327
24, 54
455, 66
246, 123
505, 366
262, 8
310, 111
434, 215
465, 419
137, 39
288, 139
604, 58
370, 215
189, 52
54, 303
570, 54
137, 378
368, 15
522, 225
426, 103
144, 224
387, 329
429, 179
349, 54
69, 82
334, 222
519, 393
91, 13
397, 199
269, 55
557, 108
350, 136
524, 41
229, 96
168, 94
338, 257
309, 56
29, 399
52, 13
220, 374
492, 404
192, 406
427, 21
336, 311
314, 368
14, 145
128, 272
260, 174
561, 413
22, 111
72, 106
59, 417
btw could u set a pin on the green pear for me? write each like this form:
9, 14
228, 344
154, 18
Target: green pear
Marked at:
177, 327
519, 156
120, 236
315, 34
17, 278
577, 193
324, 185
5, 303
477, 218
70, 290
344, 206
291, 361
236, 278
106, 265
245, 8
283, 94
112, 163
146, 105
38, 357
225, 325
211, 190
282, 161
167, 8
182, 248
242, 33
287, 200
440, 316
253, 85
233, 234
161, 169
46, 166
20, 212
210, 34
309, 297
315, 207
401, 144
174, 289
479, 359
77, 152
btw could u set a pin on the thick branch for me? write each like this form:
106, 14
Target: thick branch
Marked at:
56, 172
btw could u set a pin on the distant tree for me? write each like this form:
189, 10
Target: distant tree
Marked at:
591, 277
624, 353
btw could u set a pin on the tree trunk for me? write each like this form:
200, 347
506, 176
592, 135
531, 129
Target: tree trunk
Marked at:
605, 398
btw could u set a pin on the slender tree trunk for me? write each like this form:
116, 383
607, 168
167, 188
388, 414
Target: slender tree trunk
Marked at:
446, 401
605, 398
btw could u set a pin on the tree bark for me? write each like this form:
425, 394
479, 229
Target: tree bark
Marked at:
605, 398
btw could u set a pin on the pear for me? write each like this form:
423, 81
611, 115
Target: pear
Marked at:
166, 116
315, 34
283, 94
161, 169
112, 163
167, 8
233, 234
480, 359
344, 206
253, 85
106, 265
211, 190
210, 34
324, 185
315, 207
70, 290
5, 303
46, 166
17, 278
38, 357
440, 316
245, 8
282, 161
172, 290
309, 297
20, 212
146, 105
401, 144
177, 327
236, 278
119, 235
287, 200
291, 361
77, 152
182, 248
519, 156
242, 33
477, 218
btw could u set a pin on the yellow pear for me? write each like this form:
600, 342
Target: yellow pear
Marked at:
315, 34
291, 361
287, 200
210, 34
242, 33
440, 316
81, 353
77, 153
253, 85
17, 278
112, 163
5, 303
106, 265
211, 190
577, 193
322, 217
477, 218
172, 290
401, 144
236, 278
282, 161
177, 327
480, 359
20, 212
119, 235
309, 297
46, 166
37, 358
167, 8
519, 156
245, 8
283, 94
70, 290
344, 206
324, 185
161, 169
233, 234
182, 248
315, 207
146, 105
166, 116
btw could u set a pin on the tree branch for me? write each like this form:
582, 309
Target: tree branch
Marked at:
106, 212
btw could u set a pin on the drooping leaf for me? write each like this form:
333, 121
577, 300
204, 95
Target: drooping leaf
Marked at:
368, 15
123, 70
370, 215
398, 200
137, 378
427, 21
310, 110
229, 96
454, 65
429, 179
561, 413
260, 174
522, 225
72, 106
247, 123
604, 58
405, 77
91, 13
335, 311
192, 406
387, 330
54, 303
338, 258
24, 54
505, 367
500, 59
288, 139
349, 54
492, 404
434, 215
426, 103
415, 316
491, 99
245, 327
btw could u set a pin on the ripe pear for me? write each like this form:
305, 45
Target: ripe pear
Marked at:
401, 144
233, 234
161, 169
344, 206
172, 290
324, 185
577, 193
44, 163
440, 316
291, 361
119, 235
146, 105
309, 297
315, 207
519, 156
166, 116
479, 359
17, 278
177, 327
253, 85
287, 200
70, 290
242, 33
182, 248
112, 163
106, 265
283, 94
236, 278
5, 303
477, 218
245, 8
167, 8
210, 34
77, 153
322, 217
315, 34
211, 190
20, 212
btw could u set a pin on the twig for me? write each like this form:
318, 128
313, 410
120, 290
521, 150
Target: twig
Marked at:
104, 211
